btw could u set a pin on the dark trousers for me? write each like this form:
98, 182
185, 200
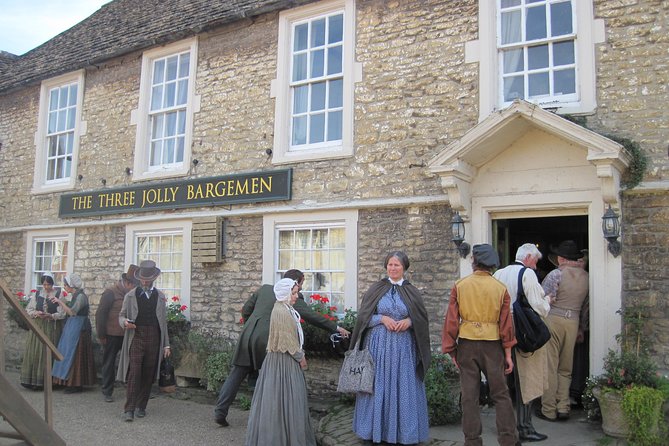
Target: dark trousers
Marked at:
473, 358
229, 389
109, 352
144, 352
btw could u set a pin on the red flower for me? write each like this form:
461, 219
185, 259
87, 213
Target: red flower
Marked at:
175, 298
325, 300
316, 297
20, 294
33, 291
183, 308
241, 320
301, 321
333, 308
64, 293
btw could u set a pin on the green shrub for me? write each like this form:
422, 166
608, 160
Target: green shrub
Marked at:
216, 369
442, 386
643, 412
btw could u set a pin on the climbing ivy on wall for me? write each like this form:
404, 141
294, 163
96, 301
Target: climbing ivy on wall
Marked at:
639, 161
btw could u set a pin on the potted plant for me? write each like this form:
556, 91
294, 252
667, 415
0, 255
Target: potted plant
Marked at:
630, 393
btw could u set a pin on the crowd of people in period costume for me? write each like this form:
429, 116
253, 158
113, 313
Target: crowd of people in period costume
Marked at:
392, 324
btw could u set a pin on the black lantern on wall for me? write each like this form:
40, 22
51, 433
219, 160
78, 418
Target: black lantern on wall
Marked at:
458, 230
611, 230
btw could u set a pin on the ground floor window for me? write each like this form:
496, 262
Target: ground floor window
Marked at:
49, 252
323, 246
169, 246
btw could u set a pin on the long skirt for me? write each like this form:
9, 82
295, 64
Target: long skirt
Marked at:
32, 368
78, 367
279, 413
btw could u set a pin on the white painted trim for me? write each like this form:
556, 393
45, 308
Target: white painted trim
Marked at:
139, 117
39, 174
181, 225
280, 89
350, 220
48, 234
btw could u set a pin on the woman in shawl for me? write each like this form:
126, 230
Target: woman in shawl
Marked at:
392, 323
77, 368
49, 316
279, 411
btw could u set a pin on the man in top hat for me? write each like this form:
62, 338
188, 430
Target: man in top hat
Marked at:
568, 286
478, 334
110, 334
144, 318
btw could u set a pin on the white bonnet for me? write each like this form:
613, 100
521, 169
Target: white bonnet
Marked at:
73, 280
283, 288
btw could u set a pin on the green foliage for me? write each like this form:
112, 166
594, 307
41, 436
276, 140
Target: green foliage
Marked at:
214, 354
317, 339
634, 374
590, 404
442, 386
638, 163
642, 407
350, 317
175, 310
216, 369
244, 402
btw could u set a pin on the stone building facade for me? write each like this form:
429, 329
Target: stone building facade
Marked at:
419, 126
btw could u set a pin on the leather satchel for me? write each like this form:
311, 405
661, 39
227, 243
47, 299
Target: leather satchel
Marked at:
357, 371
531, 331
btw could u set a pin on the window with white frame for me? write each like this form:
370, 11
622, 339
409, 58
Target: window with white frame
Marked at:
323, 246
541, 51
59, 129
169, 247
537, 46
49, 252
314, 85
164, 117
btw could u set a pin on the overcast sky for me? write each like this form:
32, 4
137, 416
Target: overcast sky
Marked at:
26, 24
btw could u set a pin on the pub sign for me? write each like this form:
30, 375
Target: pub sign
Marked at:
271, 185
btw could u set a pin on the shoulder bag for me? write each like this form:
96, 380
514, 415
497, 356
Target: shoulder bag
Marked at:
531, 331
357, 371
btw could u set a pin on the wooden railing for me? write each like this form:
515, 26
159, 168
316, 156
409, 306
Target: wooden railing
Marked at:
13, 407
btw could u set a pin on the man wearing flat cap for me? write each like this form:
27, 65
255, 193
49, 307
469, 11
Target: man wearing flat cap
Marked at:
478, 334
145, 343
568, 286
110, 334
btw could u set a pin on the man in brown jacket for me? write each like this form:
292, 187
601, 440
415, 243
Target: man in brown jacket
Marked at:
110, 333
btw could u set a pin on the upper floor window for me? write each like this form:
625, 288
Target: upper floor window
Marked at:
540, 51
165, 114
537, 51
314, 85
59, 129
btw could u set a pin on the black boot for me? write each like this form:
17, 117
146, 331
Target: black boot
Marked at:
526, 431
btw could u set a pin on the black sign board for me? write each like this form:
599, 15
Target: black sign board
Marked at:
272, 185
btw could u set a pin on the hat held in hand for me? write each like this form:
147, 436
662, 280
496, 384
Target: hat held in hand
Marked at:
147, 271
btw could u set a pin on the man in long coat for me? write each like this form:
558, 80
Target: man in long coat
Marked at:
530, 374
252, 345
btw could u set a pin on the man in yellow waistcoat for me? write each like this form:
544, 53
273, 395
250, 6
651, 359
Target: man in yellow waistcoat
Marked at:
478, 334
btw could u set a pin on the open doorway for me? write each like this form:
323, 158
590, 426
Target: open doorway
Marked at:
509, 234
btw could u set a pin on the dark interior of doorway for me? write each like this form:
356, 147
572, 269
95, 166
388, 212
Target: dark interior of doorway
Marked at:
544, 232
509, 234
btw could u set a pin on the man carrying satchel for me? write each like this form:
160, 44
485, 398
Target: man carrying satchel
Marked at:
530, 372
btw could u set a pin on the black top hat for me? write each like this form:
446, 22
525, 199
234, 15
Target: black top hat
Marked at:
566, 249
147, 271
